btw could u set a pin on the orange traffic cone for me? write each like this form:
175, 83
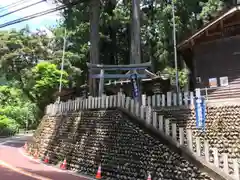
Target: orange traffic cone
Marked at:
64, 164
149, 177
46, 159
98, 175
36, 154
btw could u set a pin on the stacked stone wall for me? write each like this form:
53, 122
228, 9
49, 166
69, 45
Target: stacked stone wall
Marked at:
222, 126
124, 149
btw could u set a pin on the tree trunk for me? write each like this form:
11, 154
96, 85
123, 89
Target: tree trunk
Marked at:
113, 34
135, 54
94, 40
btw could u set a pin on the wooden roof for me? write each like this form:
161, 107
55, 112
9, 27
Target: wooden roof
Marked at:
218, 21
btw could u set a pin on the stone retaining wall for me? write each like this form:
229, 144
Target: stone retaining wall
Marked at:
222, 126
124, 149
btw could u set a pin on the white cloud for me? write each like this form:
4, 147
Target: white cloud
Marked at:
46, 19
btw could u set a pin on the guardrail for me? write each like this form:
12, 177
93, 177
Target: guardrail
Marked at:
23, 131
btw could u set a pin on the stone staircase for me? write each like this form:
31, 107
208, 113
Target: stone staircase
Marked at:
229, 92
63, 145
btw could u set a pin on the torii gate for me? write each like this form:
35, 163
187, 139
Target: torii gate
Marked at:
133, 74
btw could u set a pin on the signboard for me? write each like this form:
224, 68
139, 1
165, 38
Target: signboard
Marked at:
198, 79
135, 88
224, 81
200, 110
212, 82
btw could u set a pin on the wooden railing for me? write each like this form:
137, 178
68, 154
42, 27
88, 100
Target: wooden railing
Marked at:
169, 99
181, 136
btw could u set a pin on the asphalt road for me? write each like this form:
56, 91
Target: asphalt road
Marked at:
14, 165
9, 174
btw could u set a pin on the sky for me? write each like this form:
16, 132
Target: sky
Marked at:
37, 23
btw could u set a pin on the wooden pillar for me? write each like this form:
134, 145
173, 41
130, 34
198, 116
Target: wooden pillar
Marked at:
94, 41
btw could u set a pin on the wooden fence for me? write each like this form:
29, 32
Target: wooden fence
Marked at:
169, 99
181, 136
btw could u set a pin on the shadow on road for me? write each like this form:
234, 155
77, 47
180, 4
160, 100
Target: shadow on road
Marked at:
14, 144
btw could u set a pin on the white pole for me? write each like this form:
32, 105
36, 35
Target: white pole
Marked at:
62, 65
175, 45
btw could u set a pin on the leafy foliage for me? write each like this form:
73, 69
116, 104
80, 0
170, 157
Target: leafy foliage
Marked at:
7, 126
156, 27
182, 76
31, 78
45, 80
20, 62
16, 111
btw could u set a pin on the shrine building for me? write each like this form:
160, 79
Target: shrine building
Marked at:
212, 55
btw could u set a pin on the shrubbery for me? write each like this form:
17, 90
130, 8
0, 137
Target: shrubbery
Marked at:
16, 111
8, 126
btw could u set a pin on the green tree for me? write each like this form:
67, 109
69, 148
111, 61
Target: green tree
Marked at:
7, 126
182, 75
156, 27
16, 107
44, 81
21, 51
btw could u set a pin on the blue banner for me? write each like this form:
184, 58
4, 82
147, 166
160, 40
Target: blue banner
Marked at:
200, 111
135, 85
